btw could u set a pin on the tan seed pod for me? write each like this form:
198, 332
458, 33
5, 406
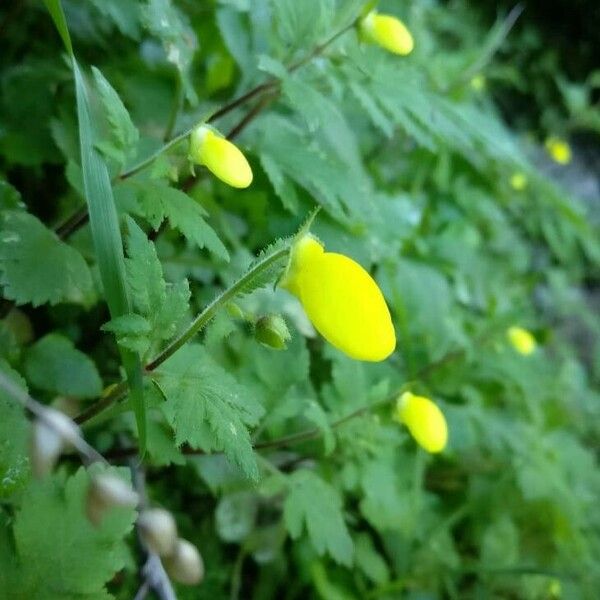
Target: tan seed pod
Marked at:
158, 530
105, 492
51, 434
185, 565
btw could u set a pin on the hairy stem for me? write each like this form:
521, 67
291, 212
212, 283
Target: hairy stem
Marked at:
119, 390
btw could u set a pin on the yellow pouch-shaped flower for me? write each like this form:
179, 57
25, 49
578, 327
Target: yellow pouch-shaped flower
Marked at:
222, 158
388, 32
341, 299
424, 420
522, 340
559, 150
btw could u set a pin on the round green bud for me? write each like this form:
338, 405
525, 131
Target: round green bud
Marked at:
272, 331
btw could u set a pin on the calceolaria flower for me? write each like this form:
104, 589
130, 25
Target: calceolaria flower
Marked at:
518, 181
424, 420
341, 299
388, 32
222, 158
559, 150
522, 340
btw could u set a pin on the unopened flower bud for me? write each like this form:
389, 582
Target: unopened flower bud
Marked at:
51, 434
185, 565
424, 420
518, 181
222, 158
388, 32
559, 150
158, 530
272, 331
107, 491
522, 340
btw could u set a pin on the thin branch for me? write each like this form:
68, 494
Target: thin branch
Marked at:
41, 412
197, 324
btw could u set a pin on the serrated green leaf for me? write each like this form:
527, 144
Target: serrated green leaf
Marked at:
37, 267
313, 503
207, 408
124, 133
158, 201
54, 364
165, 21
61, 555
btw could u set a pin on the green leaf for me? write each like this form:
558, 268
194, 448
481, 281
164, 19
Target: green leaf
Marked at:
37, 267
165, 21
14, 433
207, 408
158, 201
53, 364
160, 307
315, 413
60, 554
108, 244
124, 133
58, 16
316, 504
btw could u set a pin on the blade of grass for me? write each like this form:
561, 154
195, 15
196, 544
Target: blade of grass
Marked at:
104, 223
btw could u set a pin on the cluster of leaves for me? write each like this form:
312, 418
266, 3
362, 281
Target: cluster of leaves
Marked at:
285, 467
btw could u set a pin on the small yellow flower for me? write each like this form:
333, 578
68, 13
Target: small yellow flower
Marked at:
522, 340
341, 299
220, 157
559, 150
424, 419
478, 83
518, 181
388, 32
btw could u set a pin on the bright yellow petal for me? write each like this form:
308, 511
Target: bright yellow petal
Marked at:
522, 340
559, 150
221, 157
424, 420
346, 307
388, 32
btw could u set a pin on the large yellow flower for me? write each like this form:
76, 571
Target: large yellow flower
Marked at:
341, 299
522, 340
388, 32
220, 157
424, 420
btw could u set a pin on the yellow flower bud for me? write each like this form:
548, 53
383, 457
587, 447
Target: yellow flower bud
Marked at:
559, 150
522, 340
424, 420
341, 299
185, 564
478, 83
222, 158
518, 181
388, 32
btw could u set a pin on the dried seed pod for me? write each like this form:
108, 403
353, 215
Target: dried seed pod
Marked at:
52, 433
158, 530
108, 491
185, 565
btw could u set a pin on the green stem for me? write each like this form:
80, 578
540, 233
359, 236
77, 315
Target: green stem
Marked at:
197, 324
209, 312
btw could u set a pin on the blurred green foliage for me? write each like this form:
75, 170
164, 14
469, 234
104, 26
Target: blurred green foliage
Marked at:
411, 160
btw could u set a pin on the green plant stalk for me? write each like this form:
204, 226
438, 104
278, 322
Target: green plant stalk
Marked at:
118, 391
104, 222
